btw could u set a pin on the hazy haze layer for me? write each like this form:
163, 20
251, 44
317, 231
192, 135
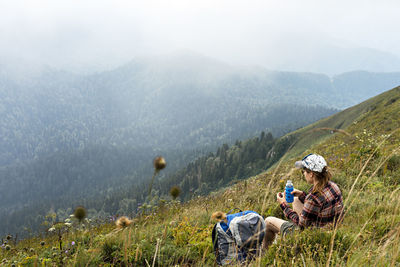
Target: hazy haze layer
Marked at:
319, 36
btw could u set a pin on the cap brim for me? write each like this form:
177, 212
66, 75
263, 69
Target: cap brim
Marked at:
298, 164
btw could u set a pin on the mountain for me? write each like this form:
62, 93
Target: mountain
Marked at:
361, 146
313, 53
183, 100
69, 139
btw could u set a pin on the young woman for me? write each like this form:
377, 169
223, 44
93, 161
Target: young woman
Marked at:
321, 206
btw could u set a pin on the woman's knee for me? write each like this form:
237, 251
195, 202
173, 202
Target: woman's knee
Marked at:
272, 224
269, 219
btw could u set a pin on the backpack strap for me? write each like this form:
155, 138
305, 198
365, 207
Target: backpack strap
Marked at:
215, 238
233, 210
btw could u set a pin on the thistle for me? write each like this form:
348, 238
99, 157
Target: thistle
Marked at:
8, 237
42, 243
175, 192
80, 213
8, 247
123, 222
159, 163
219, 216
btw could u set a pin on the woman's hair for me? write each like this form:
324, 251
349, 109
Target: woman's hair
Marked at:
321, 179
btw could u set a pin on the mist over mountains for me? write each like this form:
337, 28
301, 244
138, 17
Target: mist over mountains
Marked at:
182, 100
66, 138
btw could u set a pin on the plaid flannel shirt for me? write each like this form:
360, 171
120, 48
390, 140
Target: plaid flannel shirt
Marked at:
319, 209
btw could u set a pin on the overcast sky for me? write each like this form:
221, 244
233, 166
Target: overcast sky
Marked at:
107, 33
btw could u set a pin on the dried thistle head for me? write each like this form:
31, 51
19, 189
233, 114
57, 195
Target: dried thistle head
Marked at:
175, 192
42, 243
219, 216
80, 213
8, 237
159, 163
123, 222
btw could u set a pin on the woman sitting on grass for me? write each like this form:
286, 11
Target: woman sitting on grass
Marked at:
321, 206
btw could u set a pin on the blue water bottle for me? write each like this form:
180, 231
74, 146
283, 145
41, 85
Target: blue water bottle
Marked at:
288, 191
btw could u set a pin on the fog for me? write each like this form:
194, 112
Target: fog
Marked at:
85, 36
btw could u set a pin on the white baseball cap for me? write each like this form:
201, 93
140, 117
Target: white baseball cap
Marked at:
312, 162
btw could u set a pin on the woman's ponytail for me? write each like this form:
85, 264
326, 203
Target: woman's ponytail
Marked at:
322, 179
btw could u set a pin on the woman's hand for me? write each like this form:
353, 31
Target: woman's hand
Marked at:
296, 192
280, 197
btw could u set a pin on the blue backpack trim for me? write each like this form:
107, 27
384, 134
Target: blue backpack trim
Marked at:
230, 217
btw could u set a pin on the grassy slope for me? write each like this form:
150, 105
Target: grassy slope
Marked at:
365, 164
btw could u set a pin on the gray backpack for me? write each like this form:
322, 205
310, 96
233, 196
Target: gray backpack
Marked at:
239, 239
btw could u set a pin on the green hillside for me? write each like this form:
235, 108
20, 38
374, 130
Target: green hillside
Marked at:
362, 148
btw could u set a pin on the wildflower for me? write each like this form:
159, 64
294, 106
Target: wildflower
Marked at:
175, 192
73, 243
123, 222
68, 220
52, 229
68, 224
159, 163
80, 213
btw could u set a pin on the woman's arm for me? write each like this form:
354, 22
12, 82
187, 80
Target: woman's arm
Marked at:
289, 213
300, 194
308, 215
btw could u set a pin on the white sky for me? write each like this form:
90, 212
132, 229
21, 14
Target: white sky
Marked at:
65, 33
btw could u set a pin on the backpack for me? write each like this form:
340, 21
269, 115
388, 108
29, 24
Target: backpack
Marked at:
240, 238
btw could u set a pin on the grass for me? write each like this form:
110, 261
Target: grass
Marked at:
365, 164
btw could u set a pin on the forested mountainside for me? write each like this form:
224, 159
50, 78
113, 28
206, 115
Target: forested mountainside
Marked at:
183, 101
361, 146
34, 191
79, 139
